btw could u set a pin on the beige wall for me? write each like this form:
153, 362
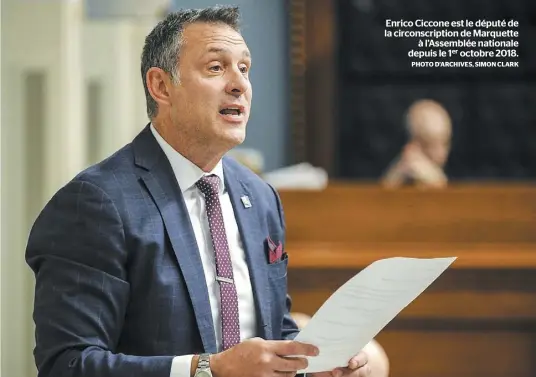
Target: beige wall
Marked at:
1, 222
44, 131
42, 111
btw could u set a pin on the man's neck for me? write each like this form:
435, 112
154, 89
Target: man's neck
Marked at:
205, 161
199, 154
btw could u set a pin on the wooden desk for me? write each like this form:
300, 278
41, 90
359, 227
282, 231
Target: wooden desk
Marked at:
345, 212
477, 319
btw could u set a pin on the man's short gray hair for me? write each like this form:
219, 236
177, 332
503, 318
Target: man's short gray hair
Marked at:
162, 45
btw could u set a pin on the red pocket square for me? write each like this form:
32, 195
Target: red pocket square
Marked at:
275, 251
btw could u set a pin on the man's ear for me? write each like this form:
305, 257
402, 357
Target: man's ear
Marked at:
159, 86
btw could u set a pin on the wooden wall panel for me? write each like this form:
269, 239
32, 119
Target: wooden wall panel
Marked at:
463, 353
468, 295
477, 319
313, 69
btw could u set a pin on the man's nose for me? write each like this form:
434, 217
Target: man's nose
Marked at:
238, 84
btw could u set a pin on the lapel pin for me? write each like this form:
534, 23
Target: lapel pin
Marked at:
245, 201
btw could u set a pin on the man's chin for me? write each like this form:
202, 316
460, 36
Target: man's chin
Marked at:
235, 137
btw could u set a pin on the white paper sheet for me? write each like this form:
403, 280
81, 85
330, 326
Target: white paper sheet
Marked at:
364, 305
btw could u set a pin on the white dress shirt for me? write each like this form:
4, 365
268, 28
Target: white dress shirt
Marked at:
187, 175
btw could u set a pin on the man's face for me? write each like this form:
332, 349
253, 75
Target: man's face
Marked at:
432, 131
437, 150
211, 104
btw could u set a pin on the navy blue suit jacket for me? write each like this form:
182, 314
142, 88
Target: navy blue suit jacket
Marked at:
120, 288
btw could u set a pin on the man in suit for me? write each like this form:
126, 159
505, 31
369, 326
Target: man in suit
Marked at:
167, 259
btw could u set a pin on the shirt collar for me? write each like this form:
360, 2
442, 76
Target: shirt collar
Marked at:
186, 172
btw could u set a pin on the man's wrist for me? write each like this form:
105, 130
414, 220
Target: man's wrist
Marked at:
215, 364
193, 366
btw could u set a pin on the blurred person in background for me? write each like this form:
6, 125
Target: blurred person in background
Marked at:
166, 259
423, 158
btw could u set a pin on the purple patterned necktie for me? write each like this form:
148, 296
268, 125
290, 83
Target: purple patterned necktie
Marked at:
209, 186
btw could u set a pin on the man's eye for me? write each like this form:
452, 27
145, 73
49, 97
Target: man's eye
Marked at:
244, 69
215, 68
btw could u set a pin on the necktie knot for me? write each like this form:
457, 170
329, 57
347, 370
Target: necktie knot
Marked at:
209, 185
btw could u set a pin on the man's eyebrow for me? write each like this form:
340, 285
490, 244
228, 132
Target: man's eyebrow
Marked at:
222, 50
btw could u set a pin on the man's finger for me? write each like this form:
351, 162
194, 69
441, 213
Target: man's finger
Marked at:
290, 348
338, 372
285, 374
364, 371
290, 364
358, 360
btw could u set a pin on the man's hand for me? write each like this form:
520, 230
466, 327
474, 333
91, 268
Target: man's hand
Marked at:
415, 164
262, 358
357, 367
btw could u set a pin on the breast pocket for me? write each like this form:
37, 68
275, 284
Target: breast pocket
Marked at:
278, 270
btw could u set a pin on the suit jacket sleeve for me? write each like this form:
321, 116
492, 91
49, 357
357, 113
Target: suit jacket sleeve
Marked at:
77, 250
289, 327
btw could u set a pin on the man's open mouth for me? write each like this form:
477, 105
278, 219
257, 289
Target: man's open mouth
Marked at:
231, 111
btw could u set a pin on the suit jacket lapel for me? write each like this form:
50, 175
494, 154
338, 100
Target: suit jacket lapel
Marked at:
158, 177
252, 239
